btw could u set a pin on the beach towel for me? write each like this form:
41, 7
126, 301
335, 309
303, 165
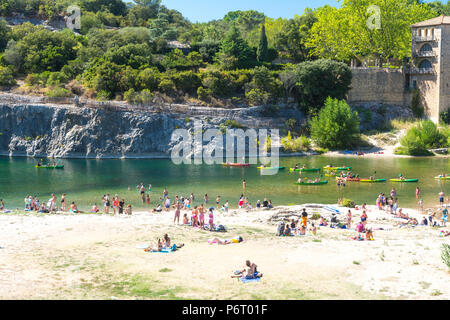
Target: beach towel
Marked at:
167, 250
142, 246
245, 280
328, 208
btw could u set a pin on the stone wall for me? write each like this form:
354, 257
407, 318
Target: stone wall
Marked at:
386, 86
445, 70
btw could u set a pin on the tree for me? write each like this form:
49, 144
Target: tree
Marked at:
6, 77
317, 80
262, 53
350, 31
4, 35
336, 126
235, 51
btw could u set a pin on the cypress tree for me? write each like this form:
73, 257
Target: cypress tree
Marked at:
262, 53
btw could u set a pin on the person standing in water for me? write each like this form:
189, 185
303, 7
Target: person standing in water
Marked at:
63, 202
244, 184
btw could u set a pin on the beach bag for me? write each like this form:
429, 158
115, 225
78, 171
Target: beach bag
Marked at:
220, 228
280, 228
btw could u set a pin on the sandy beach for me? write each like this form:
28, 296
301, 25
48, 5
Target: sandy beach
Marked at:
91, 256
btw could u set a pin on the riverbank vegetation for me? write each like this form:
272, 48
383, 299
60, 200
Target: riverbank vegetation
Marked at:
144, 52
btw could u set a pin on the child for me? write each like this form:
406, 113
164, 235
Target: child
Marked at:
349, 219
185, 219
313, 229
211, 219
369, 234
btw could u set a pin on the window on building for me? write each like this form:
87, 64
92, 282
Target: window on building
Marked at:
425, 64
426, 48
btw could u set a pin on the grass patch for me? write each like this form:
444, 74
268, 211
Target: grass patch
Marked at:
165, 270
436, 293
356, 262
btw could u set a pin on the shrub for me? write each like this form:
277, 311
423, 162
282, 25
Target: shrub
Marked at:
295, 145
445, 254
257, 97
422, 137
445, 117
348, 203
315, 216
58, 92
203, 94
6, 77
336, 126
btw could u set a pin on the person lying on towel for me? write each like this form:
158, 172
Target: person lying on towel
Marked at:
226, 241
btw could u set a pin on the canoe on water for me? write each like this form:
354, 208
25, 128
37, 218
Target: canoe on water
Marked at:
50, 167
404, 180
236, 164
443, 178
310, 183
348, 179
337, 168
375, 180
305, 169
271, 168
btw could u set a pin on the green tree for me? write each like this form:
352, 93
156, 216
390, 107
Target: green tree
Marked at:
235, 53
317, 80
4, 35
422, 137
336, 126
262, 53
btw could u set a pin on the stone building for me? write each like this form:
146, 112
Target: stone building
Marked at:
430, 70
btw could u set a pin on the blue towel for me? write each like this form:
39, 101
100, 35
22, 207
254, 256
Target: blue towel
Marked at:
245, 280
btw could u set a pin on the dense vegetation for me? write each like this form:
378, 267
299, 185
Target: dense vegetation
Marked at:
425, 135
143, 52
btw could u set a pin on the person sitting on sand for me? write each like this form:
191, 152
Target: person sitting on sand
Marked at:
157, 209
369, 234
158, 248
313, 229
250, 273
237, 239
185, 219
128, 210
270, 205
445, 233
287, 230
322, 222
302, 230
402, 215
293, 224
168, 244
360, 227
73, 208
95, 208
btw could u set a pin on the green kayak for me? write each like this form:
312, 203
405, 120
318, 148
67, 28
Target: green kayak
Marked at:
310, 183
404, 180
447, 177
49, 167
337, 168
305, 169
375, 180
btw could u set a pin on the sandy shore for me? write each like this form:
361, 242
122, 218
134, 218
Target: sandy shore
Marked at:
85, 256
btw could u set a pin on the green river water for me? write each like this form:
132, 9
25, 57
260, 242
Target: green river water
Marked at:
86, 181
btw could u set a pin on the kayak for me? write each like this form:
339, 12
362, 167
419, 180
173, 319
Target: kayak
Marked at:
405, 180
443, 178
337, 168
272, 168
310, 183
50, 167
375, 180
349, 179
330, 175
305, 169
236, 164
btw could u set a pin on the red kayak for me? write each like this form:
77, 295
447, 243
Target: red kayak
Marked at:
236, 164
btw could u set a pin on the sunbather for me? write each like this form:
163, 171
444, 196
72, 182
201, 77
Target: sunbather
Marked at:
158, 248
226, 241
250, 273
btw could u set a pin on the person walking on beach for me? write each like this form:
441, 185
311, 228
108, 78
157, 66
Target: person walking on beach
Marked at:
107, 203
116, 204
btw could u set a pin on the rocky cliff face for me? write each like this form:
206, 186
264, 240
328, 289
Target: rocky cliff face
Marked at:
69, 132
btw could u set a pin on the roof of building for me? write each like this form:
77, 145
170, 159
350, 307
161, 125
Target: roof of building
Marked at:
433, 22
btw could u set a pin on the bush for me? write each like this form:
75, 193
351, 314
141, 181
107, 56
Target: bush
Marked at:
295, 145
445, 117
6, 77
445, 254
203, 94
58, 92
336, 126
348, 203
422, 137
257, 97
143, 97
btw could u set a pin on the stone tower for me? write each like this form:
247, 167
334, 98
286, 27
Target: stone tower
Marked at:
430, 71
